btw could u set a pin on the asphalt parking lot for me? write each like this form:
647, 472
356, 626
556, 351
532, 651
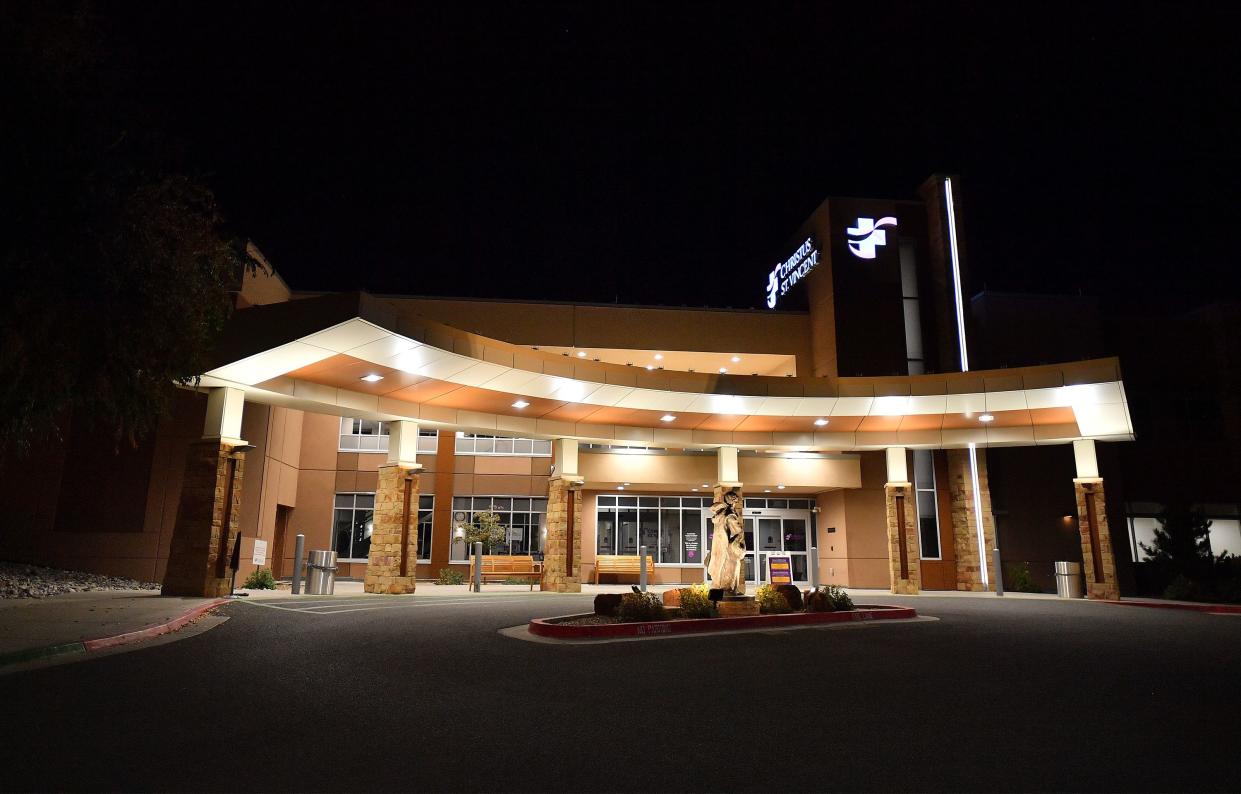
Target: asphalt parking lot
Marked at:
426, 694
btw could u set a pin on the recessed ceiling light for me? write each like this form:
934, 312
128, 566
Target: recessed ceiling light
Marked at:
694, 489
667, 418
581, 354
624, 483
736, 359
766, 490
520, 404
659, 356
650, 367
986, 418
820, 422
723, 370
780, 487
372, 378
620, 487
706, 485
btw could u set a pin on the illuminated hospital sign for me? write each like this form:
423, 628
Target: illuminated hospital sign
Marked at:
867, 235
792, 270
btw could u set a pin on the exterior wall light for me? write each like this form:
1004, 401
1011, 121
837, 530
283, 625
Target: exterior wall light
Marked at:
372, 378
521, 404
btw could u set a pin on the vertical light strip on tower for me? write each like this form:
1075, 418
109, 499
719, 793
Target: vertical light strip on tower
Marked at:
965, 367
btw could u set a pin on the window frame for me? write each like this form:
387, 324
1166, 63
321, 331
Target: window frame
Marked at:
919, 489
658, 509
490, 440
428, 440
417, 525
534, 525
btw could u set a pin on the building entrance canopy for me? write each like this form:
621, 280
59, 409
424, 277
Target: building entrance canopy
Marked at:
355, 355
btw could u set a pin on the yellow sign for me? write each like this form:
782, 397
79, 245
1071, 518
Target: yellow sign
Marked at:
781, 570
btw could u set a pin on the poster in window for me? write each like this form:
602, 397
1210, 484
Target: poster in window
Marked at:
691, 547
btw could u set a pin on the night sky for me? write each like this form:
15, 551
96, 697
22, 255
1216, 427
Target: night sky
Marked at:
655, 154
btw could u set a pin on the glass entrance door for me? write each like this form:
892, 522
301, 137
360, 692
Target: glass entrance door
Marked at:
778, 532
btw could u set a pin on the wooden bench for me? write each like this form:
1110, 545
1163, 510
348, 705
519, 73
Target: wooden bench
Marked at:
623, 564
498, 567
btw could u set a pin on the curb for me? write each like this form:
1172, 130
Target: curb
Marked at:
1210, 609
551, 627
86, 646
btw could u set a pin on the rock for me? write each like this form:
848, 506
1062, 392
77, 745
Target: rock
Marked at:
22, 580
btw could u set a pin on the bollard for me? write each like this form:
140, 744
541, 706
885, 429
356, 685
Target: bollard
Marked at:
814, 567
998, 572
642, 568
298, 550
478, 567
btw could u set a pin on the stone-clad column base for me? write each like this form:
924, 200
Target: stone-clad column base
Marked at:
903, 563
383, 568
207, 521
1098, 565
559, 576
965, 521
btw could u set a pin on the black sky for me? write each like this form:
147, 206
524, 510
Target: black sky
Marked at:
664, 153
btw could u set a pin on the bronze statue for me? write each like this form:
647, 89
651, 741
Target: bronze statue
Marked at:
726, 560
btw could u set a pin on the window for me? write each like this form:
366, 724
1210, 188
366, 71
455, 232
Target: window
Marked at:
524, 517
669, 526
924, 494
352, 525
480, 444
354, 522
371, 435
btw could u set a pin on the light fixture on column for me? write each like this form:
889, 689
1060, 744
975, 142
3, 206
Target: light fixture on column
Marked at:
372, 378
820, 422
521, 404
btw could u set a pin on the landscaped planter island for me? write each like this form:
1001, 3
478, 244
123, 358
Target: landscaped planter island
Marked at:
563, 628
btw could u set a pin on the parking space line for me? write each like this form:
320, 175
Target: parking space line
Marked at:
368, 605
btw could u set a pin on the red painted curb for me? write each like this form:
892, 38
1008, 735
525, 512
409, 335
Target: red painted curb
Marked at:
1213, 609
152, 631
545, 627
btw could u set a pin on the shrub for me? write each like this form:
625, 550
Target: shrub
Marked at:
635, 607
1184, 589
606, 604
1018, 579
694, 602
828, 599
792, 596
450, 576
260, 579
770, 600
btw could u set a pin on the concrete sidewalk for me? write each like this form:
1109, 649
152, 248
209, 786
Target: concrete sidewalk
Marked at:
33, 628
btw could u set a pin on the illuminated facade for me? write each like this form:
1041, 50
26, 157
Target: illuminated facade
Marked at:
846, 413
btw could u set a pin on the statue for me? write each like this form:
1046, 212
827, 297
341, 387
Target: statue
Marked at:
726, 560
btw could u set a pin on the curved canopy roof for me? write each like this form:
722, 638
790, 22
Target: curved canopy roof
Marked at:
317, 354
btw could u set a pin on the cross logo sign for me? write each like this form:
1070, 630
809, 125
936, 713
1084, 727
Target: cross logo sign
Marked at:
871, 236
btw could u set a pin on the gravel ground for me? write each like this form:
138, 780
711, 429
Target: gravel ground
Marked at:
19, 580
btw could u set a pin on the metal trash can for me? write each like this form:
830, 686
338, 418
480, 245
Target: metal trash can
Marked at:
321, 573
1069, 579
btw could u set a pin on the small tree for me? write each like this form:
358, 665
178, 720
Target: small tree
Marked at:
488, 531
1182, 541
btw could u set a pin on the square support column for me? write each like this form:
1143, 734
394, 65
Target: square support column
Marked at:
394, 540
562, 554
207, 521
1098, 561
966, 517
903, 558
